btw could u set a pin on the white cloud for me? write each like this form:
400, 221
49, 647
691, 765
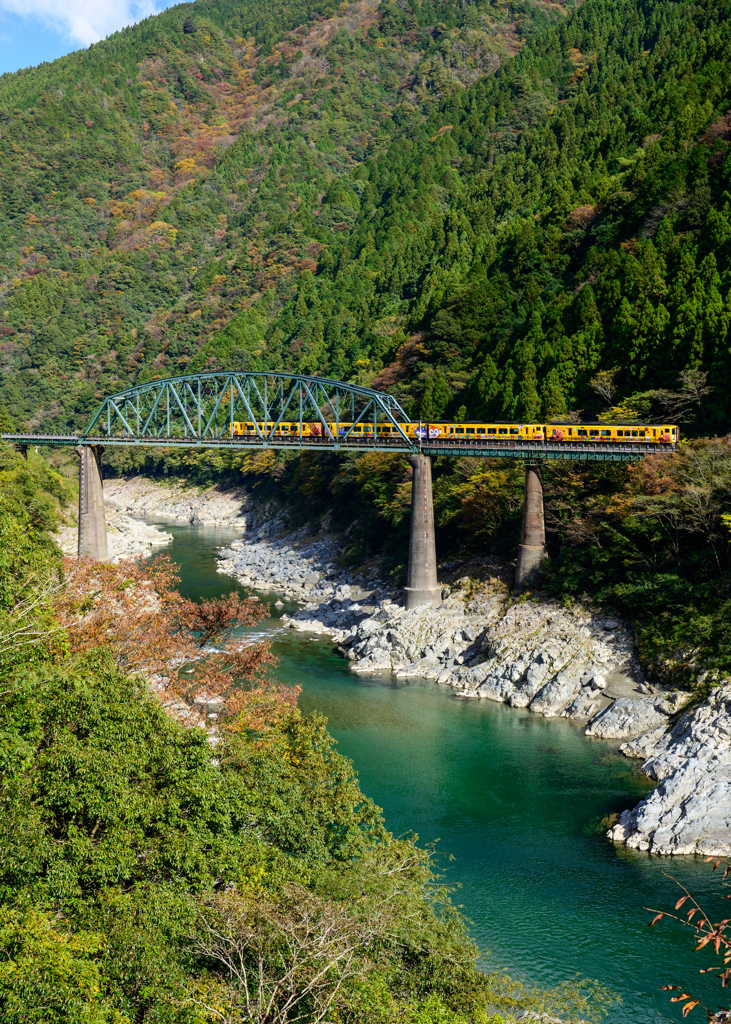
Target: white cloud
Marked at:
83, 21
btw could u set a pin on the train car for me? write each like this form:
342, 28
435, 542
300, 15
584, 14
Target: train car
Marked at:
472, 431
579, 433
247, 428
612, 433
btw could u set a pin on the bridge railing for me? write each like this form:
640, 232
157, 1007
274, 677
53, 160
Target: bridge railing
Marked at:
519, 450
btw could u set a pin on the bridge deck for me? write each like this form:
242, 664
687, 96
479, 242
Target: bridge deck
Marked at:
526, 450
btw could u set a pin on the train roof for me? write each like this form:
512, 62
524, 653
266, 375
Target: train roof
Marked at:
549, 423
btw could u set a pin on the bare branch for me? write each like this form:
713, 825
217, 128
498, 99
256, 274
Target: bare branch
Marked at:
603, 383
287, 957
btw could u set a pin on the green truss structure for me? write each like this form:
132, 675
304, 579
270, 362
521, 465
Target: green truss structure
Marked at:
200, 410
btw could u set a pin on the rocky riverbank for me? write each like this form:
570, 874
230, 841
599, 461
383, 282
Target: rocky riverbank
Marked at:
126, 537
300, 567
574, 662
128, 499
577, 663
181, 502
690, 810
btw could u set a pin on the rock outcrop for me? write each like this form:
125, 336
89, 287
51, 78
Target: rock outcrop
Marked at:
632, 716
690, 810
574, 662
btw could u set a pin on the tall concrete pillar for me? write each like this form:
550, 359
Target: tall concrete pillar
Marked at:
532, 548
422, 587
92, 523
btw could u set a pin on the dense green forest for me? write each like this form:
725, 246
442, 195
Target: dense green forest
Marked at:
146, 876
193, 167
378, 194
508, 208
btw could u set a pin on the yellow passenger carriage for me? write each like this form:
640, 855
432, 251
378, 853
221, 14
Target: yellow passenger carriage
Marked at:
471, 433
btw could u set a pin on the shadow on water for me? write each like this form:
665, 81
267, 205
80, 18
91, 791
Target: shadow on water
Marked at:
516, 800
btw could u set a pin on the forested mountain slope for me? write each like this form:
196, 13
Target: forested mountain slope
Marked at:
355, 193
566, 215
187, 168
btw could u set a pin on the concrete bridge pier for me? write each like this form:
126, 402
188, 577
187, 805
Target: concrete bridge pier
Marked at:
532, 547
92, 522
422, 587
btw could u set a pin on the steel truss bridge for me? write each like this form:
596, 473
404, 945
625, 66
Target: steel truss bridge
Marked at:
199, 411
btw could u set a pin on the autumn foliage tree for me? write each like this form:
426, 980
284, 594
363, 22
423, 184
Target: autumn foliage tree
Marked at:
188, 652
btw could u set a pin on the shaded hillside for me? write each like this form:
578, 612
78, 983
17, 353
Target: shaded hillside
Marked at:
191, 166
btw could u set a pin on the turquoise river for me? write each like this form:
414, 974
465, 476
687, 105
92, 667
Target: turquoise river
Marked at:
517, 801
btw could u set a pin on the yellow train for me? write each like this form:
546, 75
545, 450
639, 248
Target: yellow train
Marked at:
476, 433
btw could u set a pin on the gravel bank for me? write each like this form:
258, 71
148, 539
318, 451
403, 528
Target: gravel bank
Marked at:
175, 500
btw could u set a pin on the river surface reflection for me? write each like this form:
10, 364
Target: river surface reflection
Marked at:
516, 801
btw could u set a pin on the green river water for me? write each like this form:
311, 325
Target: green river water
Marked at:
516, 800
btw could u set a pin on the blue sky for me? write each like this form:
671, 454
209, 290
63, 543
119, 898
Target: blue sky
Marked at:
33, 31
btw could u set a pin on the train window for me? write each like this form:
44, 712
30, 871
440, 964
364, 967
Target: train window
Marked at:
581, 433
515, 430
470, 430
502, 430
593, 433
606, 433
491, 430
